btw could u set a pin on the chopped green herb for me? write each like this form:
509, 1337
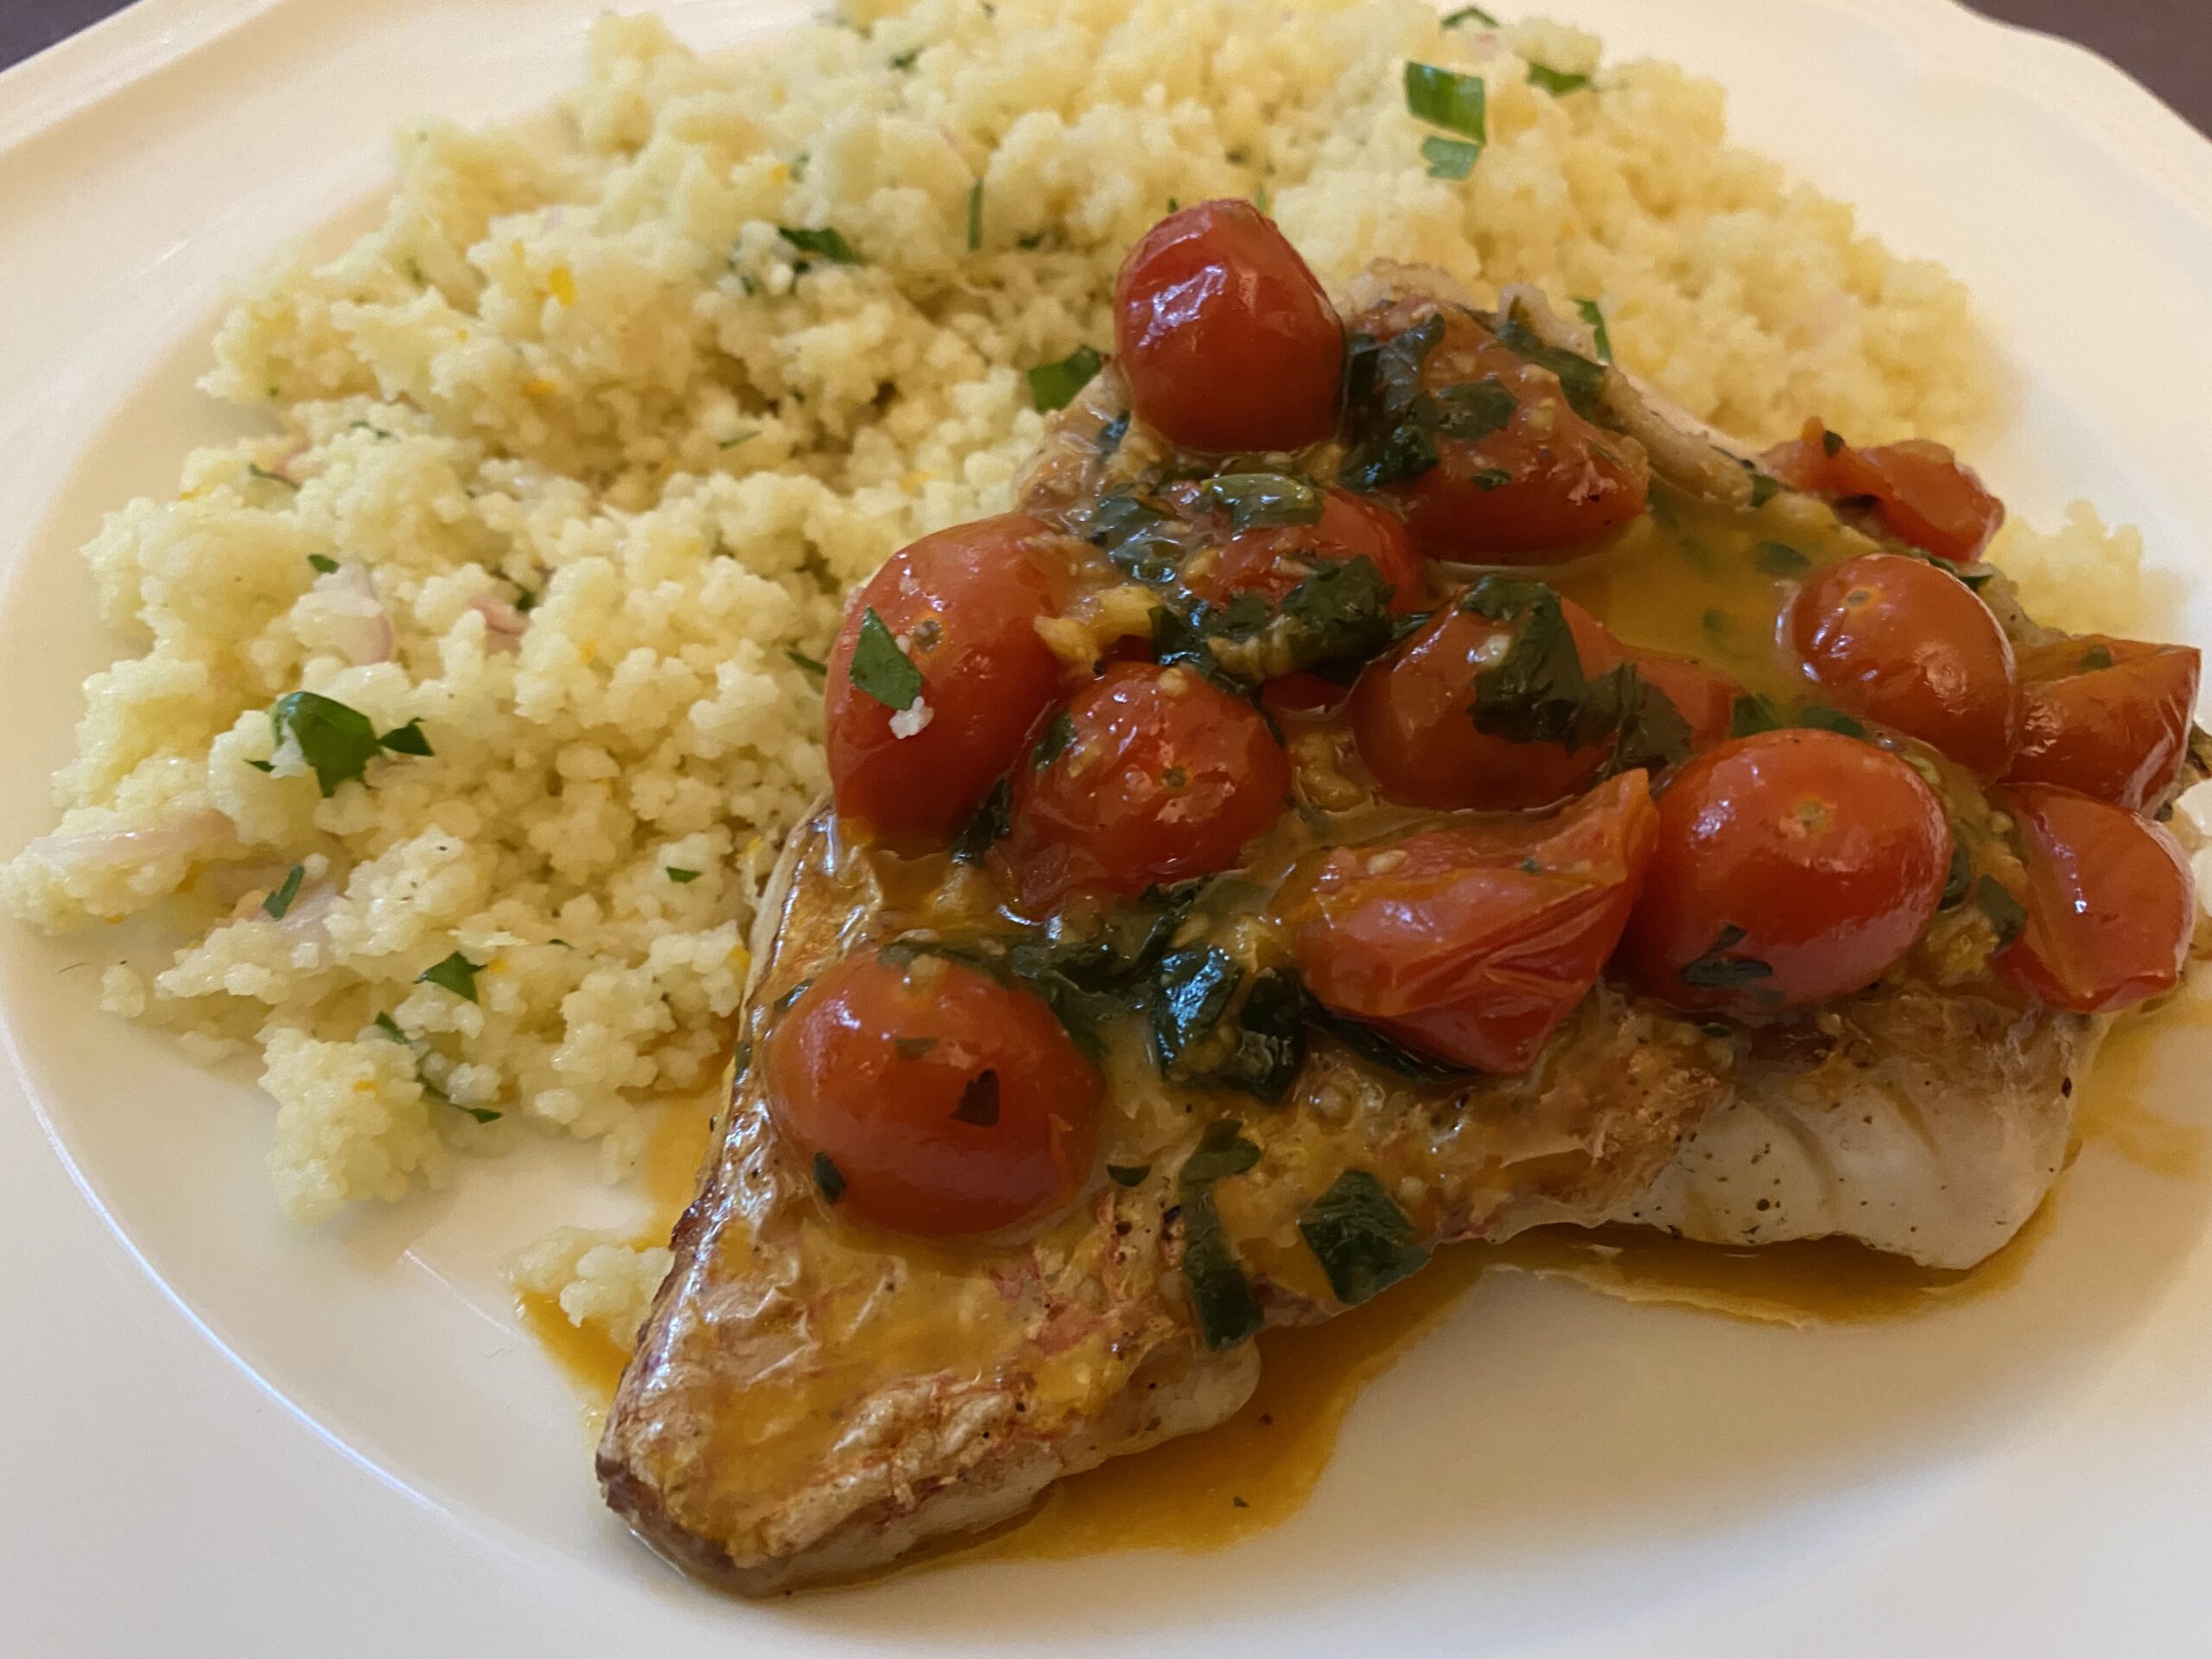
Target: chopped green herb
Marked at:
880, 670
1377, 1049
1030, 243
1492, 477
1054, 385
682, 878
1582, 380
912, 1048
825, 243
1202, 1032
366, 426
1960, 880
905, 60
1137, 536
1175, 779
1128, 1174
975, 215
1263, 500
268, 477
979, 1101
1717, 971
1340, 614
1751, 713
526, 601
988, 824
1764, 488
1831, 443
322, 564
1590, 313
1780, 559
1446, 99
1392, 421
1470, 413
827, 1178
800, 659
1995, 901
1449, 158
1111, 434
1363, 1240
1555, 81
278, 902
2096, 656
456, 974
1053, 742
1820, 717
481, 1114
1469, 15
389, 1027
743, 434
1261, 198
336, 740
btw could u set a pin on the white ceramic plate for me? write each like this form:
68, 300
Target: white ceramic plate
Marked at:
220, 1437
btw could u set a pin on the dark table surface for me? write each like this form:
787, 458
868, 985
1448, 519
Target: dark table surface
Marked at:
2166, 44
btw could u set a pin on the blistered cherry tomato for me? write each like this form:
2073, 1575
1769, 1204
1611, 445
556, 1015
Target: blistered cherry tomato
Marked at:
1271, 560
1703, 697
1790, 866
1902, 643
1922, 492
2108, 717
1410, 717
1539, 483
2110, 902
1154, 776
964, 605
1227, 341
1472, 942
945, 1102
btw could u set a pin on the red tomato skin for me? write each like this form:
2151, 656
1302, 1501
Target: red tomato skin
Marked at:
1705, 698
1829, 854
1565, 482
874, 1061
1923, 493
986, 679
1165, 776
1227, 341
2118, 734
1409, 719
1461, 950
1272, 560
2110, 900
1906, 646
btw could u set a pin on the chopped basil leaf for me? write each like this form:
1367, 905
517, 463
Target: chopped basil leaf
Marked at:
1716, 971
1053, 742
2096, 656
1136, 537
268, 477
1780, 559
1363, 1240
1555, 81
1128, 1174
336, 741
1831, 443
1263, 500
800, 659
1261, 198
1194, 991
1111, 434
1372, 1046
1054, 385
1201, 1033
1391, 421
988, 824
389, 1027
481, 1114
1652, 733
1340, 614
828, 1177
912, 1048
1221, 1296
323, 563
682, 878
1589, 312
1583, 381
825, 243
1446, 99
1449, 158
905, 60
1956, 883
1469, 15
1764, 488
880, 670
1751, 713
278, 902
1492, 477
975, 216
1470, 413
743, 434
1820, 717
2006, 915
1403, 452
526, 602
979, 1101
456, 974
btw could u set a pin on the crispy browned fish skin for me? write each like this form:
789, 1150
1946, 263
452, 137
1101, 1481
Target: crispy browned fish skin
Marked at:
921, 1452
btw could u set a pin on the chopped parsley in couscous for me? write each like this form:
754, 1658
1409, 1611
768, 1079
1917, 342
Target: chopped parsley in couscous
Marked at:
466, 707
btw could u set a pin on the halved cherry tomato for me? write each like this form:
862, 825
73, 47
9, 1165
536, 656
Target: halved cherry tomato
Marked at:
1705, 698
1904, 644
1790, 866
1539, 485
1271, 560
2108, 717
1474, 941
2111, 904
1411, 716
1922, 492
1156, 775
945, 1102
1227, 341
962, 604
